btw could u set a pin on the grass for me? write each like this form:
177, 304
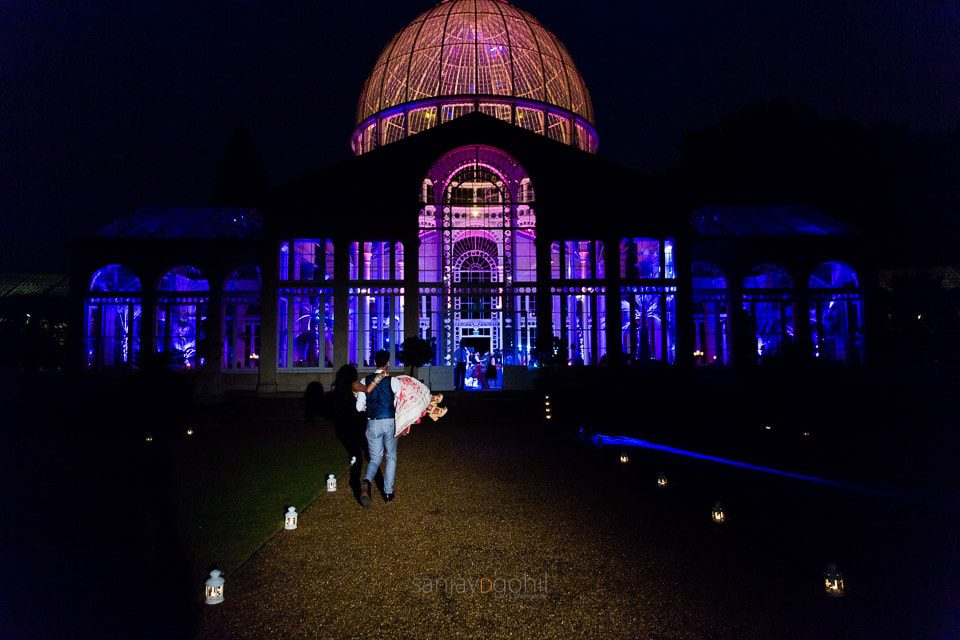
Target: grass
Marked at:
232, 487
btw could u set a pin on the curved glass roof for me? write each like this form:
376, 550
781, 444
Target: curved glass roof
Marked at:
475, 48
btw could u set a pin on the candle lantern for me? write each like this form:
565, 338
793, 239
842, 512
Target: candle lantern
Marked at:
833, 581
214, 588
290, 519
718, 514
624, 458
331, 483
149, 438
189, 431
661, 480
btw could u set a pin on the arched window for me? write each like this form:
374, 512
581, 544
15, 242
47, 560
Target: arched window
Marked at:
241, 319
183, 296
477, 249
711, 310
768, 299
836, 313
112, 319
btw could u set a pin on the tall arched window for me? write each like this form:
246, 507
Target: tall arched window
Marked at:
183, 296
768, 299
241, 319
836, 313
113, 311
711, 311
477, 247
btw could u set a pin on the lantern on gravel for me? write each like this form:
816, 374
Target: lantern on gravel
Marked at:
718, 514
290, 519
833, 581
213, 588
661, 480
331, 483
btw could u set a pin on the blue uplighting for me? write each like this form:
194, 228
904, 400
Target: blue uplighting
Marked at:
624, 441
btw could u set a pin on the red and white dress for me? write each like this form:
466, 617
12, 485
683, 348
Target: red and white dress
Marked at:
411, 398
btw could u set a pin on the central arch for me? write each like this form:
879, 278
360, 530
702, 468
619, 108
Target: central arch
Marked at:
477, 245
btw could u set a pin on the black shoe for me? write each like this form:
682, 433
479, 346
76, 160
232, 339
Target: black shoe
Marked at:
388, 497
365, 493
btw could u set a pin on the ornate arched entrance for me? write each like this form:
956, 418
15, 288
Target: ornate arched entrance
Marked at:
478, 256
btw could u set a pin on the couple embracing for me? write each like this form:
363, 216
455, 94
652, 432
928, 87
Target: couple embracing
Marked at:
393, 403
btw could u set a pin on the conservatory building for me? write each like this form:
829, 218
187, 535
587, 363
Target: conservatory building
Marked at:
477, 215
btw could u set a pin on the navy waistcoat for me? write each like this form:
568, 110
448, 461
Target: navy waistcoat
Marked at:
380, 400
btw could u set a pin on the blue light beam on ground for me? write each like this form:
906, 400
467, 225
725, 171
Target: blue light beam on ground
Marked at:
624, 441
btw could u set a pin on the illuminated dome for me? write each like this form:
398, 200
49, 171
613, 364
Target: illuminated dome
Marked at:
474, 55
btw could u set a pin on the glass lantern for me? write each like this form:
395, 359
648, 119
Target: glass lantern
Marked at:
290, 519
213, 588
331, 483
148, 438
661, 481
833, 581
624, 458
718, 514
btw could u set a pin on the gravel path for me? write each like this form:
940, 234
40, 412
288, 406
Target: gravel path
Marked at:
487, 539
512, 532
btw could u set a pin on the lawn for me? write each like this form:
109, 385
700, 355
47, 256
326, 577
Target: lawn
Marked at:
232, 487
115, 535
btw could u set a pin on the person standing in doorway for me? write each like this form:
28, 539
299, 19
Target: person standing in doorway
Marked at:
381, 428
460, 357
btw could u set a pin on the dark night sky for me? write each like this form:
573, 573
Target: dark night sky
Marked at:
110, 106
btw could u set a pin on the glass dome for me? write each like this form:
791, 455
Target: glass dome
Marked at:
474, 55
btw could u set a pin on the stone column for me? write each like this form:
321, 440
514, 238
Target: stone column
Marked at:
341, 286
269, 331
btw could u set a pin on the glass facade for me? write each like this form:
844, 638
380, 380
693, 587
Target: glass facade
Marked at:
112, 319
375, 323
478, 250
305, 328
768, 299
241, 319
579, 313
711, 316
181, 317
836, 313
648, 300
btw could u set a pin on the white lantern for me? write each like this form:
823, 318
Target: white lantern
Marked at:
833, 581
214, 588
624, 458
661, 480
331, 483
718, 514
189, 431
353, 460
149, 438
290, 519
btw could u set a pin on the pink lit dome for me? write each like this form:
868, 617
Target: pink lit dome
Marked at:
474, 55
